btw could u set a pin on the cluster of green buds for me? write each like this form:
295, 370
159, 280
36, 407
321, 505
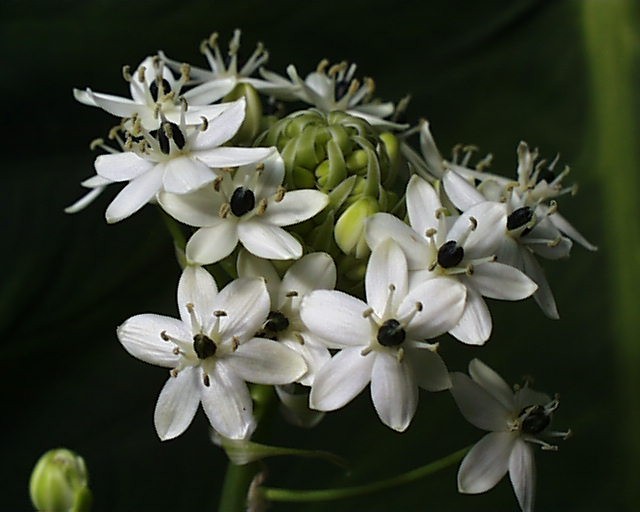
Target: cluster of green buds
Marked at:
347, 158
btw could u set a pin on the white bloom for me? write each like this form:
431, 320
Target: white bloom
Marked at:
514, 420
177, 159
225, 74
251, 207
154, 93
212, 350
315, 271
458, 249
382, 341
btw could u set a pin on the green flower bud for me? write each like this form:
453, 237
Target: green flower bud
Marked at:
253, 114
59, 483
349, 230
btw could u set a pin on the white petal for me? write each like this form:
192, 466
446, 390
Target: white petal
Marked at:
199, 208
486, 463
563, 225
246, 302
295, 207
560, 248
474, 326
134, 196
477, 405
498, 281
429, 370
526, 396
177, 404
442, 303
251, 266
336, 317
522, 474
227, 403
543, 296
184, 174
85, 97
84, 201
381, 226
197, 287
394, 391
213, 243
232, 157
313, 352
387, 268
267, 241
195, 113
121, 166
140, 336
492, 383
341, 379
211, 91
462, 193
486, 238
422, 203
266, 362
116, 105
315, 271
221, 128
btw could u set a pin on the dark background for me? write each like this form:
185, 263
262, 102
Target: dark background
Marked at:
559, 74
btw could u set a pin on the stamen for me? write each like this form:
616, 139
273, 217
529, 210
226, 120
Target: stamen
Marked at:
262, 207
205, 124
367, 313
205, 379
280, 194
126, 73
225, 209
365, 351
400, 355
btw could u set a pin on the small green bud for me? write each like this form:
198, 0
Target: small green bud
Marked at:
253, 114
349, 230
357, 162
59, 483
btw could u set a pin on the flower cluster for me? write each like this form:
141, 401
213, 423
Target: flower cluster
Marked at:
327, 287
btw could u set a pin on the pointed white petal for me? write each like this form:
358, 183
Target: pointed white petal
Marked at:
268, 241
212, 243
477, 405
121, 166
492, 383
315, 355
387, 268
210, 92
232, 157
115, 105
394, 391
429, 369
252, 266
221, 128
336, 317
486, 238
269, 179
177, 404
341, 379
295, 207
266, 362
197, 287
462, 193
543, 296
184, 174
563, 225
486, 463
85, 97
246, 303
442, 301
474, 326
140, 336
381, 226
522, 474
134, 196
315, 271
430, 151
508, 253
559, 248
422, 204
498, 281
84, 201
227, 403
199, 208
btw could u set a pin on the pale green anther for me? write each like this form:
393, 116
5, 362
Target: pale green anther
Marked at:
349, 230
253, 113
59, 483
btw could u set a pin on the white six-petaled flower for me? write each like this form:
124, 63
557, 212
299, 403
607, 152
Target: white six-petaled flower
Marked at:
515, 420
212, 350
382, 342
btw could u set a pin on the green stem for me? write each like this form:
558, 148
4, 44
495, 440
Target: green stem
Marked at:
291, 495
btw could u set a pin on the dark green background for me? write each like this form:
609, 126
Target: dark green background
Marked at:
489, 72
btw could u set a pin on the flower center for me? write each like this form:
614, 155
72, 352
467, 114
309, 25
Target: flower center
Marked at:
391, 333
169, 131
534, 419
203, 346
276, 322
154, 88
519, 217
242, 201
450, 254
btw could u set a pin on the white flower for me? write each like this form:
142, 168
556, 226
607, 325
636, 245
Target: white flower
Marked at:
251, 207
315, 271
212, 350
177, 159
458, 249
382, 341
514, 420
224, 74
154, 92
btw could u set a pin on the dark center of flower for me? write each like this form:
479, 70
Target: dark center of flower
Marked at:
276, 322
519, 217
341, 88
391, 333
203, 346
154, 89
450, 254
242, 201
546, 175
535, 419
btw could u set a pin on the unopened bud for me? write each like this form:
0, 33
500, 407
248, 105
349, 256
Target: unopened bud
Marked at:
349, 230
252, 123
